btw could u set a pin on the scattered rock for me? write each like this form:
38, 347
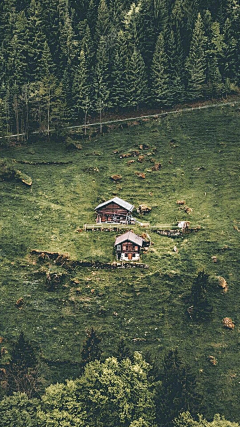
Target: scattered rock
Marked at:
133, 153
91, 169
116, 177
143, 209
130, 162
19, 303
175, 249
156, 167
188, 210
53, 280
222, 283
180, 202
140, 175
141, 158
228, 323
212, 360
214, 258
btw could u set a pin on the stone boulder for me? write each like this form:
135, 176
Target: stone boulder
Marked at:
228, 323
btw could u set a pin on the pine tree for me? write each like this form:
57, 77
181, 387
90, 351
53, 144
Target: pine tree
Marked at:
214, 53
82, 93
91, 350
123, 351
103, 24
119, 70
21, 372
101, 80
175, 66
92, 14
160, 75
178, 391
131, 24
231, 33
87, 45
51, 29
68, 42
201, 307
146, 29
161, 13
17, 55
36, 39
196, 62
136, 78
46, 65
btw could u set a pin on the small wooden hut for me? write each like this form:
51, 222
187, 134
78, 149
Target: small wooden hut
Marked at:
128, 246
115, 210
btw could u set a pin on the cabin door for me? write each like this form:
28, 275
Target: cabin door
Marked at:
129, 256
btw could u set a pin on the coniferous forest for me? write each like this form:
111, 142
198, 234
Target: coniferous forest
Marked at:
63, 60
85, 342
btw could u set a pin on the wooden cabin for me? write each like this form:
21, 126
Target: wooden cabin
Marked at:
128, 246
115, 210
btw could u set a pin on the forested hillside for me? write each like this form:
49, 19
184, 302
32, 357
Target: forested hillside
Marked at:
62, 60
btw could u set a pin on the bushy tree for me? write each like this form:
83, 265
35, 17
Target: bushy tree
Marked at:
186, 420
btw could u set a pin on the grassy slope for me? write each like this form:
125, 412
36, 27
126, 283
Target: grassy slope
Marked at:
199, 153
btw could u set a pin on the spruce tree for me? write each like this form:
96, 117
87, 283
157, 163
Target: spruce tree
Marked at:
119, 70
196, 62
214, 54
175, 66
68, 42
82, 93
46, 65
103, 23
123, 351
21, 372
36, 39
231, 53
178, 391
91, 350
201, 307
160, 74
101, 80
92, 14
136, 78
17, 55
146, 29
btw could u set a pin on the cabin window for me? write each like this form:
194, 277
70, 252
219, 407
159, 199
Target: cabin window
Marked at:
124, 247
136, 248
118, 248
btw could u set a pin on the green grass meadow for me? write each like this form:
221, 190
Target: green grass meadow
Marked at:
199, 153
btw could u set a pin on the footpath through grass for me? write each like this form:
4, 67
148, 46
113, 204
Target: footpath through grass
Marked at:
199, 154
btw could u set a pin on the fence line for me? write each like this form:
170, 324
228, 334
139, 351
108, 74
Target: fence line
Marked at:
156, 115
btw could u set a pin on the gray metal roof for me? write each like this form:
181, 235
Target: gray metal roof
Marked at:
119, 202
132, 237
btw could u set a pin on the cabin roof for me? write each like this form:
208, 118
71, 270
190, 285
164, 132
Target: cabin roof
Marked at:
132, 237
119, 202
